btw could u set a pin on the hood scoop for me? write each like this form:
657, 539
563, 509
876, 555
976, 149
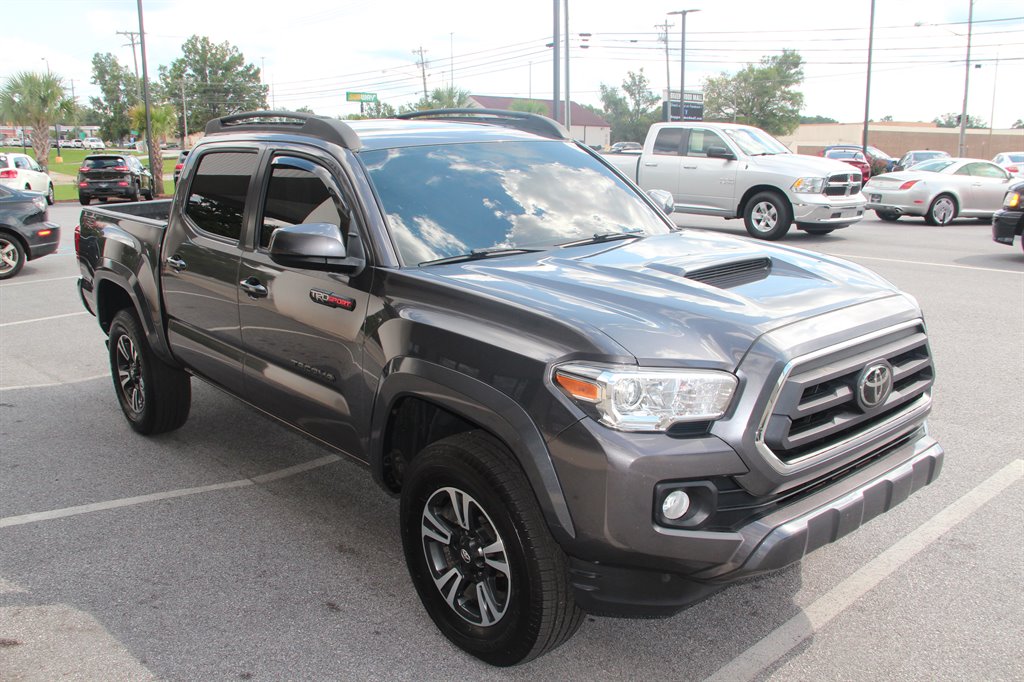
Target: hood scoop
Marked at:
723, 275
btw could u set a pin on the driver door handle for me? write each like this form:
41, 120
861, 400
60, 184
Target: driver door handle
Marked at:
176, 263
253, 288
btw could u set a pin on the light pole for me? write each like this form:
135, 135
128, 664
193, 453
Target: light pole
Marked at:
967, 78
682, 61
867, 91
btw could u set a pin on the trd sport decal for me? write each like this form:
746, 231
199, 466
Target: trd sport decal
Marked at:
331, 300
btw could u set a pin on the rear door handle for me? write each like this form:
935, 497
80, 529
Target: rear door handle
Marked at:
651, 165
176, 263
689, 168
253, 288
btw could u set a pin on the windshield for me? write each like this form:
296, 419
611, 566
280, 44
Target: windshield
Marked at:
754, 142
1015, 158
935, 166
444, 201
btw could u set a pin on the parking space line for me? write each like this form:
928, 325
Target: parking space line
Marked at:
42, 319
106, 375
780, 641
851, 256
166, 495
37, 281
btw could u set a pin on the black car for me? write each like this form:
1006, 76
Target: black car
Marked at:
179, 165
25, 232
102, 176
1008, 222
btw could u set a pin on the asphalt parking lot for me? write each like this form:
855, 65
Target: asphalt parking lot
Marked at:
233, 549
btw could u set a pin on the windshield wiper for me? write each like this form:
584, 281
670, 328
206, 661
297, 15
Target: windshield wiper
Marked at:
606, 237
480, 254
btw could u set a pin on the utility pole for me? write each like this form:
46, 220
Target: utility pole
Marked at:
184, 114
967, 76
867, 91
668, 77
568, 117
423, 69
154, 154
133, 36
556, 43
682, 59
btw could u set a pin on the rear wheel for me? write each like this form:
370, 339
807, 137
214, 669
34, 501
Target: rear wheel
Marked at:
942, 210
49, 195
887, 216
134, 196
154, 396
12, 256
480, 555
767, 215
84, 201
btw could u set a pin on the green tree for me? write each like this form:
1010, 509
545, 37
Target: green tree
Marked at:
816, 119
37, 100
164, 118
764, 96
632, 114
529, 106
1019, 123
217, 82
374, 110
953, 121
119, 92
448, 97
305, 110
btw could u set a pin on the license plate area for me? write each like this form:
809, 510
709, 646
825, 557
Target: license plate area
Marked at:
875, 198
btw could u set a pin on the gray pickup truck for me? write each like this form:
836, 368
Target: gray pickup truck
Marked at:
582, 407
739, 171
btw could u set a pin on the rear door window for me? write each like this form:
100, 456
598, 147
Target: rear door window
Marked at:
669, 141
216, 198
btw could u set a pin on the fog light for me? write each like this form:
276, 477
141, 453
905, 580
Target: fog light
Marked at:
675, 505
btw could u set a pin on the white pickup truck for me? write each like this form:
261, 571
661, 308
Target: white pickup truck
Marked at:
733, 171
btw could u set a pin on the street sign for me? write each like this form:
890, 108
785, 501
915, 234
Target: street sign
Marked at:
360, 96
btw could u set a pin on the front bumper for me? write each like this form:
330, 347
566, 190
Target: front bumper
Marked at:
819, 209
625, 564
1007, 224
40, 245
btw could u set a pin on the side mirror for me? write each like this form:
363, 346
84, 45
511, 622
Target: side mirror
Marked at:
716, 152
315, 246
663, 199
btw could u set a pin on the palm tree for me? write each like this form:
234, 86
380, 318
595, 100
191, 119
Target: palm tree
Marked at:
37, 100
165, 121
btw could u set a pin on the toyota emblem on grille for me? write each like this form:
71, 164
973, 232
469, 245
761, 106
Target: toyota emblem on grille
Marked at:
874, 385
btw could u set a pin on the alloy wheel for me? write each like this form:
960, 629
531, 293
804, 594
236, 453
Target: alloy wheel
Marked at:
129, 374
764, 216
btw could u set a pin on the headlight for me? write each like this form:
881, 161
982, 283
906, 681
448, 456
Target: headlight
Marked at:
647, 400
1012, 200
809, 185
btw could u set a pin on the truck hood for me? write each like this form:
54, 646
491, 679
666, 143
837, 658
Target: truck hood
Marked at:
689, 297
800, 165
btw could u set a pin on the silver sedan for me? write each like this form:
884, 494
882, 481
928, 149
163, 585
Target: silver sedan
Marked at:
939, 190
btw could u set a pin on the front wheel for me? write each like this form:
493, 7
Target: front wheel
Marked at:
482, 560
942, 211
12, 256
816, 229
154, 396
767, 215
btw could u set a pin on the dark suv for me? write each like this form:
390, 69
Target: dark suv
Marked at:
102, 176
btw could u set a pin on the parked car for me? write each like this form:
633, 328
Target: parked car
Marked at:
915, 157
625, 147
179, 165
940, 190
1013, 162
25, 230
854, 157
1008, 222
93, 143
113, 175
20, 171
879, 160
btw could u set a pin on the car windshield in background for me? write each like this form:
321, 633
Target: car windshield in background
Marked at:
933, 166
501, 196
1015, 158
756, 142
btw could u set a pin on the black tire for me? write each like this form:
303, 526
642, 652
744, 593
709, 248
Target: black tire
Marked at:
148, 194
816, 230
84, 201
985, 220
102, 200
942, 210
529, 602
12, 256
887, 216
135, 193
49, 195
154, 396
768, 216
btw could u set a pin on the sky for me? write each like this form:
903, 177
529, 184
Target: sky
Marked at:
313, 52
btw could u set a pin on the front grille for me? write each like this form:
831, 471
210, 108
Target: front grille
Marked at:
843, 184
733, 274
816, 408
